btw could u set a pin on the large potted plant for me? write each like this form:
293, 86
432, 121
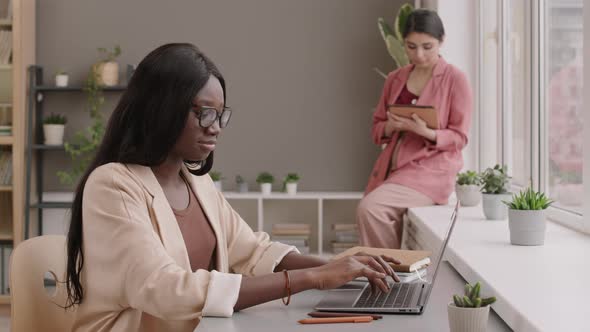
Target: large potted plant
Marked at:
470, 312
526, 217
53, 129
495, 190
265, 179
467, 188
290, 183
393, 38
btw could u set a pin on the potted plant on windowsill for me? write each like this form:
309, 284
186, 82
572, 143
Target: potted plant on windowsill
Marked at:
61, 79
216, 177
53, 129
242, 185
467, 188
290, 183
469, 313
496, 184
526, 217
265, 179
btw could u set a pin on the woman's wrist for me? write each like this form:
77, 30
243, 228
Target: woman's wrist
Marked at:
302, 280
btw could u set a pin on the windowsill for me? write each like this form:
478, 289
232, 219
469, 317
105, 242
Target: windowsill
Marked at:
542, 288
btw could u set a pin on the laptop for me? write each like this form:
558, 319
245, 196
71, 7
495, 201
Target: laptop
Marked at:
402, 298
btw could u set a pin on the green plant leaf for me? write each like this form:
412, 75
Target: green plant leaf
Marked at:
400, 21
396, 50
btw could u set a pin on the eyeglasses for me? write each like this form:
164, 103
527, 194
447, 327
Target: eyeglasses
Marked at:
208, 115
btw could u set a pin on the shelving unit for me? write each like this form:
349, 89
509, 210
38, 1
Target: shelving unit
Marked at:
36, 149
13, 89
320, 209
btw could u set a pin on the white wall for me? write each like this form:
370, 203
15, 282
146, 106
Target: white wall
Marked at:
460, 49
586, 118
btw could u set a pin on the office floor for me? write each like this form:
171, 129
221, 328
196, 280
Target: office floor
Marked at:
4, 317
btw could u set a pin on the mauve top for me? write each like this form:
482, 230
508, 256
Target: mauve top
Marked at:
422, 165
198, 236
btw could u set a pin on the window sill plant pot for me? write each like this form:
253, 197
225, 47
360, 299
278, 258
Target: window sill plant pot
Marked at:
107, 70
469, 313
467, 188
493, 208
53, 129
265, 179
496, 184
526, 218
61, 80
291, 188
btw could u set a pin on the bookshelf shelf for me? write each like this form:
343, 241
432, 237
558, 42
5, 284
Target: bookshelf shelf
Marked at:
5, 67
51, 88
4, 299
4, 188
6, 140
5, 22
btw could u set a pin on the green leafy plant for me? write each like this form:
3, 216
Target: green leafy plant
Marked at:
56, 119
495, 180
109, 55
61, 72
265, 177
529, 199
472, 298
85, 142
290, 178
215, 175
239, 179
469, 178
393, 38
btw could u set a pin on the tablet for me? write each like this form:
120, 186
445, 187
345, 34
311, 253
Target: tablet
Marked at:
426, 113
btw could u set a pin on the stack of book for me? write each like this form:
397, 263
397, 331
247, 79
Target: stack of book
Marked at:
293, 234
5, 46
5, 168
346, 236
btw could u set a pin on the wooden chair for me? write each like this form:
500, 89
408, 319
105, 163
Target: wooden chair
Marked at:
33, 309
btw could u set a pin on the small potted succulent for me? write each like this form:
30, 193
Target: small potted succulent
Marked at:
216, 177
467, 188
265, 179
61, 78
470, 312
53, 129
496, 184
241, 184
290, 183
526, 217
107, 70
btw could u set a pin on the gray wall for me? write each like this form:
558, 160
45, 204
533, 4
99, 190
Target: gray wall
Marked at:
299, 75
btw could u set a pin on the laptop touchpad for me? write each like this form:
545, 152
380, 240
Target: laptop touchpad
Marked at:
339, 298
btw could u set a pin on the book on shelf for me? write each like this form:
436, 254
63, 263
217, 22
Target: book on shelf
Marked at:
291, 229
411, 260
5, 252
5, 167
345, 227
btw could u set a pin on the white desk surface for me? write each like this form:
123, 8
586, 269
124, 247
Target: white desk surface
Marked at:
539, 288
274, 316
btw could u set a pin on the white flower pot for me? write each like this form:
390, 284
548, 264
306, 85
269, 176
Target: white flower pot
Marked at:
468, 319
291, 188
527, 227
493, 207
54, 134
217, 185
468, 194
266, 188
243, 187
108, 73
61, 80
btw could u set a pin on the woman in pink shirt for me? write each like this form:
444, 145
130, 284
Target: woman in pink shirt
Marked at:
418, 165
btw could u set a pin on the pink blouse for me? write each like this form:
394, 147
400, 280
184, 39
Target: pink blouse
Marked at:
422, 165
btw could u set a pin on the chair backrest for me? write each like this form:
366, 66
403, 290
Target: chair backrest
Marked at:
32, 308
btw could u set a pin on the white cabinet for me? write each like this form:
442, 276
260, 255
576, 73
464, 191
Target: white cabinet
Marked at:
319, 209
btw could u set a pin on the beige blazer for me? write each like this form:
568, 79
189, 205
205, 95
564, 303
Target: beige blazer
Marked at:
136, 273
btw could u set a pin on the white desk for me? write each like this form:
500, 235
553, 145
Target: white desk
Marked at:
274, 316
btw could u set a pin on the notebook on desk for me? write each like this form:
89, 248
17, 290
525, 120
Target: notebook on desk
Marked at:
403, 297
411, 260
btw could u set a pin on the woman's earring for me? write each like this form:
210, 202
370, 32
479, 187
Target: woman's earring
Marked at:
194, 165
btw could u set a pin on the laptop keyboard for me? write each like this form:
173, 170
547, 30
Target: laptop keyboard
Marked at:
399, 296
